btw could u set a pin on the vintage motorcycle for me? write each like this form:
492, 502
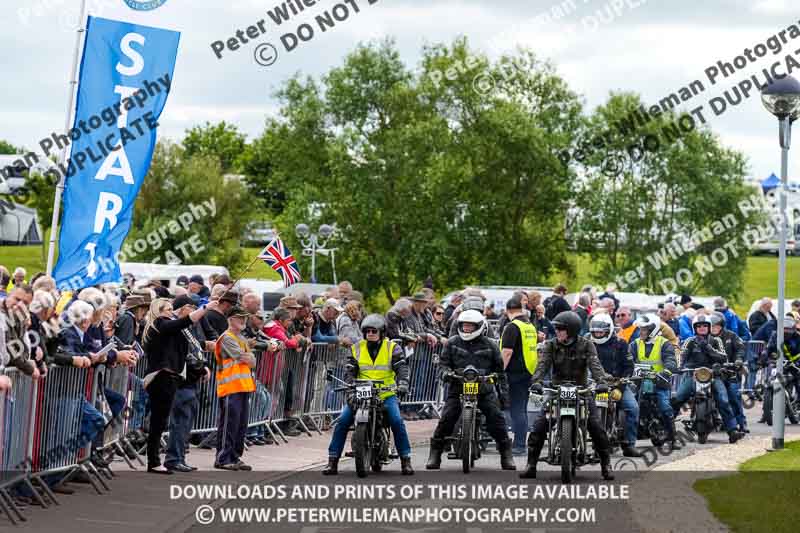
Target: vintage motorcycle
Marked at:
567, 412
467, 441
371, 440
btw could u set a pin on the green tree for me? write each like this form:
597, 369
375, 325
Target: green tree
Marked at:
6, 148
221, 140
175, 181
424, 177
636, 213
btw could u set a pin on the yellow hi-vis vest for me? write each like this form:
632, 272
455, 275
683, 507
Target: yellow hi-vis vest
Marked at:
789, 357
530, 340
654, 359
232, 375
380, 369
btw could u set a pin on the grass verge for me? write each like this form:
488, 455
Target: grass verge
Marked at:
762, 496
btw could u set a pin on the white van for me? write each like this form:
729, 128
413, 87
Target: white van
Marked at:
168, 274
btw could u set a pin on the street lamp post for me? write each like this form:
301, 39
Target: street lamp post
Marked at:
314, 243
782, 99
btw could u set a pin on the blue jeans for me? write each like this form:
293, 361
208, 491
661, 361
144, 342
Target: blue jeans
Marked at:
665, 409
518, 388
735, 399
259, 407
392, 408
631, 408
92, 424
686, 390
181, 418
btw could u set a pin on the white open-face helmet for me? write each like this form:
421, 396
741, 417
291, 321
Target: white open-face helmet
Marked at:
649, 326
602, 323
472, 317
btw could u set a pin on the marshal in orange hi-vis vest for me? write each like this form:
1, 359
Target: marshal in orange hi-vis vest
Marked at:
232, 376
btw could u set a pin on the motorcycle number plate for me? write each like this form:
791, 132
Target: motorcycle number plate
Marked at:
364, 393
602, 397
569, 393
567, 411
535, 403
470, 388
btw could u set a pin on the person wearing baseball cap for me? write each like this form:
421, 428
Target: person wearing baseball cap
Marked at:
197, 286
234, 385
185, 404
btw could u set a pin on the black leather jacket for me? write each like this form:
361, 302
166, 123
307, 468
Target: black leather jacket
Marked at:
482, 353
705, 352
569, 363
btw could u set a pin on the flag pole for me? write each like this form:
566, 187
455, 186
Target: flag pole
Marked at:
253, 262
67, 122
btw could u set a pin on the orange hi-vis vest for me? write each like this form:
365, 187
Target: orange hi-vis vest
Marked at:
232, 375
626, 333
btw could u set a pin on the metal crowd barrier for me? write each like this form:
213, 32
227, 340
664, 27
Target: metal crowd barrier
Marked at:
320, 399
754, 349
426, 387
17, 410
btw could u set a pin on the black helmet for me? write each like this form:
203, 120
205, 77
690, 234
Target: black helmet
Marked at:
374, 321
570, 321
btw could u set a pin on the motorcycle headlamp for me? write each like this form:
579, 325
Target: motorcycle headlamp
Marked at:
703, 375
615, 395
471, 374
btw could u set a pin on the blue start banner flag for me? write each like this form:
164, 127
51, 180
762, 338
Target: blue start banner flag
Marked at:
125, 78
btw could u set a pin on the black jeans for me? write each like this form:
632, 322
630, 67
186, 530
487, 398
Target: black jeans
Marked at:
162, 393
488, 405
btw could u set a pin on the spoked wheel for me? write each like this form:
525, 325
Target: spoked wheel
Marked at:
361, 449
567, 471
467, 430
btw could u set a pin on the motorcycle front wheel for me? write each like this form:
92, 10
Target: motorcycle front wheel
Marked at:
361, 449
567, 471
467, 438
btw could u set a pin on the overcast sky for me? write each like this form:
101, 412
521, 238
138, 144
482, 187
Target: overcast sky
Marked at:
653, 47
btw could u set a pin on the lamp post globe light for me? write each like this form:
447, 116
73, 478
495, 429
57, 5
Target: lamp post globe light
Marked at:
313, 243
782, 99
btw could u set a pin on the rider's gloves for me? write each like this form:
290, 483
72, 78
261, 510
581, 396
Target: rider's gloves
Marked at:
601, 388
665, 376
537, 388
447, 374
402, 389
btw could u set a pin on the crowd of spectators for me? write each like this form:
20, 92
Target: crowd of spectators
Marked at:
179, 330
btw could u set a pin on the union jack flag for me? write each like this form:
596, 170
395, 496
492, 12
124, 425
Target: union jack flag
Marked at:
280, 259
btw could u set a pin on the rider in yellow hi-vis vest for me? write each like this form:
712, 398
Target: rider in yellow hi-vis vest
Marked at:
375, 358
520, 356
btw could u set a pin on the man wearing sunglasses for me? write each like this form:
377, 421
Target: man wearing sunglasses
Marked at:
375, 358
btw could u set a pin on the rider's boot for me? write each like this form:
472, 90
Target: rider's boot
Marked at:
333, 467
630, 451
506, 457
405, 466
533, 458
435, 457
734, 436
605, 465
